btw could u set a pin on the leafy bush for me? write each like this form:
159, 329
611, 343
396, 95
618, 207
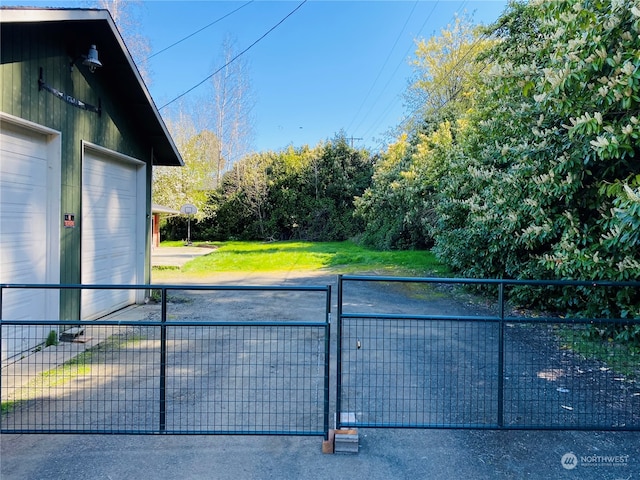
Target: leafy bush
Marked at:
546, 187
305, 194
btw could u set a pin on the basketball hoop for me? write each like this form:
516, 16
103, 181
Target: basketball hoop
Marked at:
188, 209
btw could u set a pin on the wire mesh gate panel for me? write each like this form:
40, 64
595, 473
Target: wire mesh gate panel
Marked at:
112, 386
553, 379
425, 362
192, 374
266, 379
419, 373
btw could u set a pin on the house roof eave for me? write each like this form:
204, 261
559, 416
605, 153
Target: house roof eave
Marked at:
164, 148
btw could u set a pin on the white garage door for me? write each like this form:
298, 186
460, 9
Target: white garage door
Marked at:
29, 229
113, 221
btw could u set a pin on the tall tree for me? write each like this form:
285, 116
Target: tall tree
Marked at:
255, 186
230, 108
295, 193
446, 72
399, 208
126, 15
176, 186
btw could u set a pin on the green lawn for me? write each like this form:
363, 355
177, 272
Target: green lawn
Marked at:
338, 257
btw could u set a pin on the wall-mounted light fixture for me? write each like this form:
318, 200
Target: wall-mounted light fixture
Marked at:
90, 60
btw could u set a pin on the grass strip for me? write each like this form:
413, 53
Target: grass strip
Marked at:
339, 257
78, 366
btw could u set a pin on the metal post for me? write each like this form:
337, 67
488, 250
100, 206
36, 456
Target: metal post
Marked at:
339, 355
1, 291
501, 356
163, 363
327, 362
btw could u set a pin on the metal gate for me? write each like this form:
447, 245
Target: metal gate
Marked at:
178, 369
263, 367
429, 362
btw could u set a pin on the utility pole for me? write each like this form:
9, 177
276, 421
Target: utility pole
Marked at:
352, 139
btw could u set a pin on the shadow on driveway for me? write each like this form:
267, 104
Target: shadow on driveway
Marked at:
384, 453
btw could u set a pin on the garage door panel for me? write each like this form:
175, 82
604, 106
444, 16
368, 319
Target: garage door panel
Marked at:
23, 185
124, 204
103, 302
23, 266
111, 261
112, 264
29, 182
110, 215
33, 174
120, 234
23, 206
94, 175
17, 198
16, 139
14, 300
26, 220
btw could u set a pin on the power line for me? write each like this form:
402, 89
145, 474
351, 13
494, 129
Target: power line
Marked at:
455, 94
366, 97
402, 60
197, 31
453, 69
236, 57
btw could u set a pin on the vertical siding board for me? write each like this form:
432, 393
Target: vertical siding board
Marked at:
6, 49
74, 127
41, 59
16, 98
16, 73
49, 56
147, 269
69, 307
5, 76
41, 95
29, 81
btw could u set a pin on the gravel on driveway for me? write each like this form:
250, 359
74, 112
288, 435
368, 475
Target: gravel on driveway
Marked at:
384, 453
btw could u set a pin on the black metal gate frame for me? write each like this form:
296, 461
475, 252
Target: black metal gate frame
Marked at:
163, 325
344, 421
500, 320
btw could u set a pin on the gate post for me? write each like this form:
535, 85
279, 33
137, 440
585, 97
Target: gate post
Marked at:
327, 362
163, 363
501, 356
1, 291
339, 356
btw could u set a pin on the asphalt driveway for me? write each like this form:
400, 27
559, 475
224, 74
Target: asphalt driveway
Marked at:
176, 256
384, 453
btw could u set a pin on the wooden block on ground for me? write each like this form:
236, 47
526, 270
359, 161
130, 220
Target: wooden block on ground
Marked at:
346, 441
327, 445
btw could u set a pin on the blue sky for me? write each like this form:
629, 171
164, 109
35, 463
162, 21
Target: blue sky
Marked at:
331, 66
